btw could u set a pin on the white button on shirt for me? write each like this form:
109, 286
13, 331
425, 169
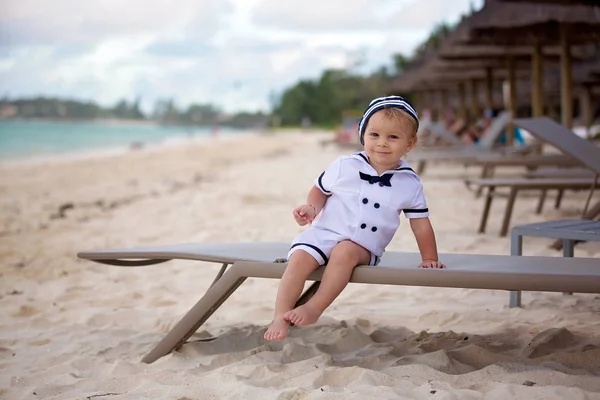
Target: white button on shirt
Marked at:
368, 213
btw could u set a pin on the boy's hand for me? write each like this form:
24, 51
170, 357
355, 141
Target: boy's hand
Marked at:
304, 214
431, 264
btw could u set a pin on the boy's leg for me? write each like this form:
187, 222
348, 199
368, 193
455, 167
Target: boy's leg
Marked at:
300, 265
345, 256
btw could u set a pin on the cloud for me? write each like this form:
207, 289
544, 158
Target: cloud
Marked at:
320, 15
180, 49
41, 22
240, 77
241, 74
421, 15
232, 53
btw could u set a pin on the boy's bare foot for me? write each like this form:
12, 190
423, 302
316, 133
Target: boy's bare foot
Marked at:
302, 315
277, 330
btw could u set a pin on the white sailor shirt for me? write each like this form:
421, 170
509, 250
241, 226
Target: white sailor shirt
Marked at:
365, 207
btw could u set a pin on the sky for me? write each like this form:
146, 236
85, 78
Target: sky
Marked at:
236, 54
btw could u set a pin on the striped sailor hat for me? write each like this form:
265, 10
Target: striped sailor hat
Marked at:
385, 102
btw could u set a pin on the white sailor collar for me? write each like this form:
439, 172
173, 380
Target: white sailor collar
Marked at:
402, 166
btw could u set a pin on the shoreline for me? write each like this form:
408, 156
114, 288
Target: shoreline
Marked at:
99, 121
110, 151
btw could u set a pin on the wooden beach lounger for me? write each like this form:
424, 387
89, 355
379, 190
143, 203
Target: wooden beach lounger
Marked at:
519, 160
516, 185
555, 134
256, 260
464, 152
583, 152
567, 231
449, 138
489, 163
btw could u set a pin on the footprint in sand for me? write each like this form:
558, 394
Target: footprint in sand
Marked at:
25, 311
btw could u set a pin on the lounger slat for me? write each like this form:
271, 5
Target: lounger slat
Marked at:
538, 183
571, 224
269, 251
211, 252
563, 139
578, 229
582, 276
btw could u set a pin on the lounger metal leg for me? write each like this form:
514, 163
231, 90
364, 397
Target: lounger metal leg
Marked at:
516, 244
486, 208
559, 196
220, 273
421, 167
515, 299
591, 214
485, 173
540, 205
508, 213
568, 248
568, 251
516, 249
198, 314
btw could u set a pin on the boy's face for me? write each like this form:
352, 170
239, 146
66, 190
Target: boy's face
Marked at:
387, 140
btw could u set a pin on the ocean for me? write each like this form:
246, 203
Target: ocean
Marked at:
33, 139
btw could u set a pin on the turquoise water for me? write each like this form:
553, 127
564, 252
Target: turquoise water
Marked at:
19, 139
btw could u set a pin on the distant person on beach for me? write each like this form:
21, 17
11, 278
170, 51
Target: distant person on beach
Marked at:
358, 200
474, 132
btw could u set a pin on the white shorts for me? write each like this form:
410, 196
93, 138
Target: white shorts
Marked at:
319, 243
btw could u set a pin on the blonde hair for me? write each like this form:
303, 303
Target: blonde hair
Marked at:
399, 115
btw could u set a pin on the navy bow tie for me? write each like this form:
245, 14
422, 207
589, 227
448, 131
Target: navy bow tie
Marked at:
383, 180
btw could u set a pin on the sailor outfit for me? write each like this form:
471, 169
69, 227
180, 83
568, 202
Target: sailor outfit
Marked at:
362, 207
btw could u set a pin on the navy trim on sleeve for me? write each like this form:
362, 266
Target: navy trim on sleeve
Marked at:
416, 210
320, 181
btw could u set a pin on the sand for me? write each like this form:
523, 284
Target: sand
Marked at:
72, 329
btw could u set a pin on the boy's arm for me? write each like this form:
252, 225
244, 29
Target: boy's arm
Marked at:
425, 237
317, 199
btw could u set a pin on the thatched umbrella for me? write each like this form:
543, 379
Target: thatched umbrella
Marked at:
587, 76
441, 79
461, 47
431, 76
454, 63
524, 23
492, 60
466, 84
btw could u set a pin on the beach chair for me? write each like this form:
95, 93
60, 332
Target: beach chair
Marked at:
464, 152
517, 185
583, 152
436, 133
257, 260
565, 172
490, 162
567, 231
